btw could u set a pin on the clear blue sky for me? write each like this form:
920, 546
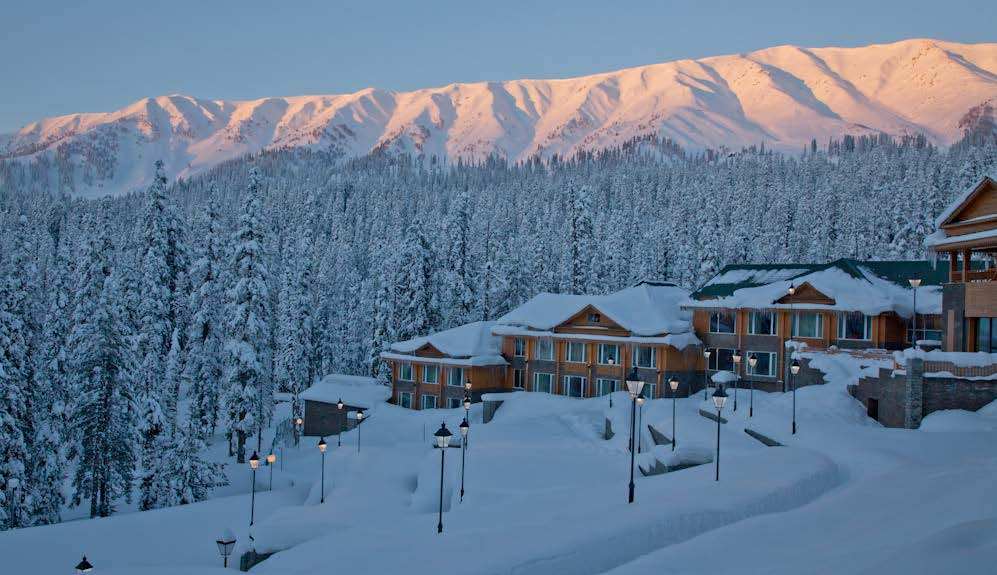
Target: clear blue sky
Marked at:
75, 56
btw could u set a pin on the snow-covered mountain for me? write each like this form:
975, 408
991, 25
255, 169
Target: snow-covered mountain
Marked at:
781, 96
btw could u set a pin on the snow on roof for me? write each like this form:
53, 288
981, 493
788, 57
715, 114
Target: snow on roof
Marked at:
647, 309
868, 287
464, 341
958, 202
938, 238
354, 390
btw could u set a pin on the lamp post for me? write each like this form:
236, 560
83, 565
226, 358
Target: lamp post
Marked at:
360, 417
794, 369
84, 566
640, 420
674, 385
467, 413
752, 362
914, 283
342, 422
706, 371
635, 386
254, 464
465, 427
299, 425
467, 386
719, 399
442, 436
271, 459
226, 543
737, 375
321, 448
792, 321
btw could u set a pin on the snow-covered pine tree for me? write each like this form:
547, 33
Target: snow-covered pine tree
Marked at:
14, 392
189, 475
247, 314
580, 241
459, 290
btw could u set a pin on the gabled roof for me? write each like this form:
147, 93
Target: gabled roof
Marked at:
647, 309
949, 214
871, 287
462, 342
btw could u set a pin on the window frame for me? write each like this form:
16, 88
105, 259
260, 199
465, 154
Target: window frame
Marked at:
435, 369
600, 382
843, 325
454, 403
401, 371
519, 347
427, 396
616, 354
540, 341
636, 356
717, 313
773, 361
566, 385
567, 351
401, 399
550, 382
773, 324
460, 381
819, 326
519, 374
714, 362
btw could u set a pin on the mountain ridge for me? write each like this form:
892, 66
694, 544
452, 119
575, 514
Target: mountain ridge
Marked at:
781, 97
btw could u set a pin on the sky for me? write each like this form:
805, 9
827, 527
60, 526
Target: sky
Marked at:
91, 56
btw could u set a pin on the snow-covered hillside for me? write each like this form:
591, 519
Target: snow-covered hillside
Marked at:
781, 96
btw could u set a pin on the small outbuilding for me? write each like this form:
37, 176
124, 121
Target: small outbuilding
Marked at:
322, 414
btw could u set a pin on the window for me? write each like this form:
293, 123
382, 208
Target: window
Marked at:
430, 374
854, 325
542, 382
545, 349
405, 371
722, 360
575, 352
454, 402
429, 402
765, 366
518, 379
929, 327
455, 376
808, 324
405, 399
761, 323
609, 354
645, 356
574, 386
606, 386
520, 345
595, 318
650, 390
722, 321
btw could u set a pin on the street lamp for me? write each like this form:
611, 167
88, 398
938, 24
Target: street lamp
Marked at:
254, 464
84, 566
640, 420
706, 370
342, 422
635, 386
794, 369
719, 399
752, 362
737, 372
360, 417
226, 544
442, 436
915, 283
792, 321
321, 448
271, 459
299, 425
674, 385
467, 386
611, 363
467, 410
464, 428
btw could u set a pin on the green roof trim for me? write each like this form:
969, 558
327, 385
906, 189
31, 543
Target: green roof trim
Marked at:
897, 272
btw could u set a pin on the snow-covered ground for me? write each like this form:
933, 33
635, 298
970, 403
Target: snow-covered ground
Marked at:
546, 494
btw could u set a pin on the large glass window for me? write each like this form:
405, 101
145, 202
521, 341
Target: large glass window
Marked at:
545, 349
405, 371
929, 327
764, 363
645, 356
454, 402
430, 374
543, 382
609, 354
606, 386
722, 321
762, 323
429, 402
455, 376
808, 324
722, 360
574, 386
650, 390
520, 347
518, 378
575, 352
854, 325
986, 334
405, 399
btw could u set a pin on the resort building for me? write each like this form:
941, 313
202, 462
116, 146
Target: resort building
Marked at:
430, 372
846, 303
585, 345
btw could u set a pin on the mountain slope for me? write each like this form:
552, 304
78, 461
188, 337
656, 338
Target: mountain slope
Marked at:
781, 96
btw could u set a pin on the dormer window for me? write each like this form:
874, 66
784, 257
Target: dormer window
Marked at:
595, 318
